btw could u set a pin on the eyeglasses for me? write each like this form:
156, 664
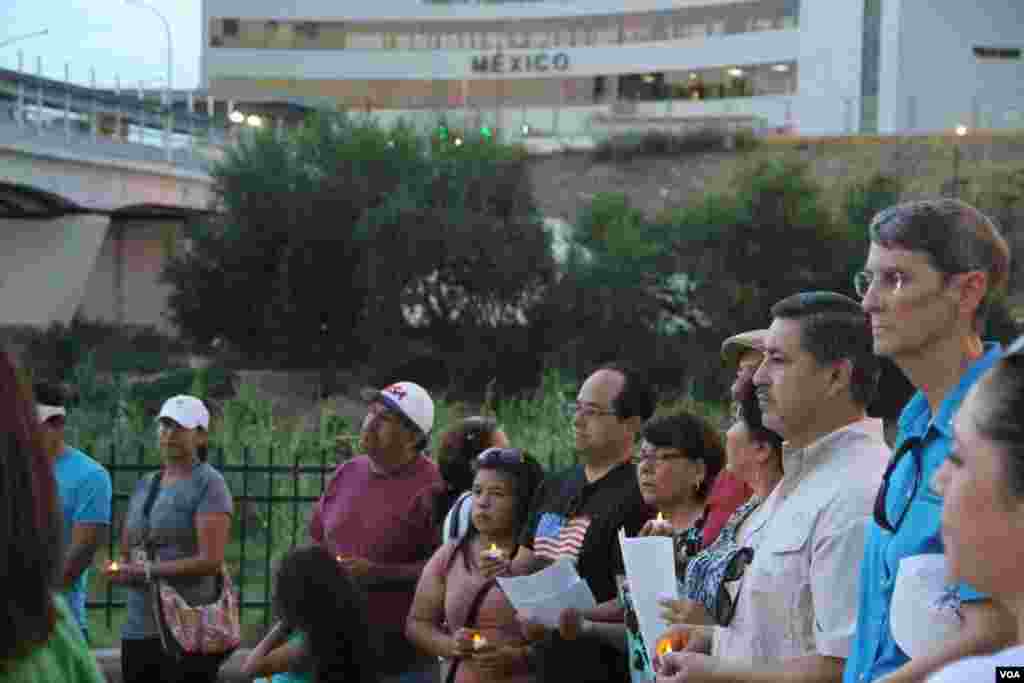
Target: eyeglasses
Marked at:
504, 456
651, 455
880, 514
574, 408
891, 281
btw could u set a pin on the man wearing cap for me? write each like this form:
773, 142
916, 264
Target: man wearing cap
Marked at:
744, 351
376, 516
796, 603
84, 488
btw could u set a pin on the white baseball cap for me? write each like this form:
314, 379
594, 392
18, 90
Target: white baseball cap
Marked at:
188, 411
409, 399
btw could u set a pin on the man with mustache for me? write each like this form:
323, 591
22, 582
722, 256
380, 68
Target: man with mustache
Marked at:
795, 606
376, 516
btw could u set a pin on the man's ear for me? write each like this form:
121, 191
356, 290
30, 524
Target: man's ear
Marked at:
973, 289
841, 377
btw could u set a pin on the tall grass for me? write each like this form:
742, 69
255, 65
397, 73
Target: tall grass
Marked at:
246, 430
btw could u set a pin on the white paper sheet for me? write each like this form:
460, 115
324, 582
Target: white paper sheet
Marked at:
921, 623
651, 573
543, 596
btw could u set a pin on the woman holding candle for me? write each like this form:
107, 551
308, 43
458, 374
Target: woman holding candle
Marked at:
176, 529
459, 613
322, 635
39, 638
710, 583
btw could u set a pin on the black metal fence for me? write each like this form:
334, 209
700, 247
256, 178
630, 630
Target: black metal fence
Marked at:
262, 490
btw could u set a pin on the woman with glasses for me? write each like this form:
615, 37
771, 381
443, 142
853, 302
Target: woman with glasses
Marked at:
982, 488
176, 529
39, 639
711, 577
455, 457
459, 613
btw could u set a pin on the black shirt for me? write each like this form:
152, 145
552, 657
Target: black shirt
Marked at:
571, 517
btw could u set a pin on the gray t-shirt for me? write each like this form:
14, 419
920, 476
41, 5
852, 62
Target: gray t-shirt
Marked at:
172, 530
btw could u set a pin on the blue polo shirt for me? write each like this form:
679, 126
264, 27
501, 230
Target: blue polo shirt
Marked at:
874, 652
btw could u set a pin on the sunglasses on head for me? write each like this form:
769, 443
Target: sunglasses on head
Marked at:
498, 455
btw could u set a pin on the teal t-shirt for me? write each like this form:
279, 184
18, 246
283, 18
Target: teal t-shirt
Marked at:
64, 657
85, 493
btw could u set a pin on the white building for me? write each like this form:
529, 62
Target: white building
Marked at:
816, 66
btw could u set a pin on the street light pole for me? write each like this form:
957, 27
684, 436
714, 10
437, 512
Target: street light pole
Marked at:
960, 131
8, 41
168, 84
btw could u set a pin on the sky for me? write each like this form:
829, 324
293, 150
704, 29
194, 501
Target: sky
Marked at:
112, 36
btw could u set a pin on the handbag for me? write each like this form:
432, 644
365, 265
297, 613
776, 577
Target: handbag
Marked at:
213, 629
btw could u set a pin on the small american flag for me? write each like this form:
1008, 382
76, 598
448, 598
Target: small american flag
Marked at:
557, 538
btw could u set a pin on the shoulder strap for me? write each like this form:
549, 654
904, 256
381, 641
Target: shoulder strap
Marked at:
471, 615
454, 523
147, 507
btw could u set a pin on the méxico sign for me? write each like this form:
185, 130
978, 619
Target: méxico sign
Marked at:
500, 63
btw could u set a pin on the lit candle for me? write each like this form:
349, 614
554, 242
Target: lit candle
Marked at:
661, 517
114, 566
664, 647
478, 641
494, 553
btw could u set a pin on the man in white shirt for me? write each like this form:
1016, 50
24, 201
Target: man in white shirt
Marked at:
796, 602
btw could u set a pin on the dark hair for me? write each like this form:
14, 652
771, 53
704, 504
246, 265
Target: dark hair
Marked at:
50, 394
698, 440
455, 456
526, 475
1001, 417
636, 398
834, 327
749, 410
954, 235
315, 594
30, 536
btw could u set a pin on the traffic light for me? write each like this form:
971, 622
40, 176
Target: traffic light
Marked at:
485, 132
442, 132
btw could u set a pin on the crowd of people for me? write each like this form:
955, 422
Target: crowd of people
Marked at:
797, 534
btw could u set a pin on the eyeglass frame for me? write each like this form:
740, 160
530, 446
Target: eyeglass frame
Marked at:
639, 458
861, 276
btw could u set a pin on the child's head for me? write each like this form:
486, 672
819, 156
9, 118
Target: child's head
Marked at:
316, 595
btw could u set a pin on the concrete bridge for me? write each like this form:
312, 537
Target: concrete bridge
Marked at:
86, 225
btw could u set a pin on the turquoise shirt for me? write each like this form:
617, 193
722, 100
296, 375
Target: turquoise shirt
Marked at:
83, 486
874, 653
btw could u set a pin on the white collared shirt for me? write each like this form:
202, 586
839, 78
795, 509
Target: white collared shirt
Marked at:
799, 595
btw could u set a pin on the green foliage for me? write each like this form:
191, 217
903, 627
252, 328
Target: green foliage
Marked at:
769, 238
862, 200
420, 236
